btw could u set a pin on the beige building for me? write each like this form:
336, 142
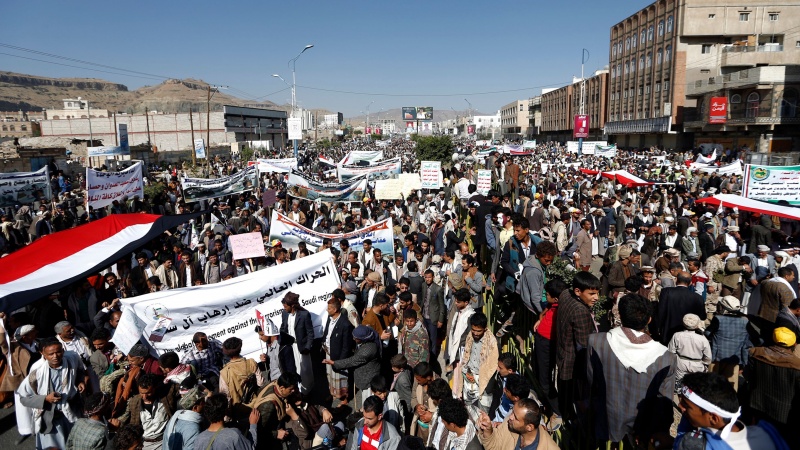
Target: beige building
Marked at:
664, 59
514, 119
559, 107
75, 108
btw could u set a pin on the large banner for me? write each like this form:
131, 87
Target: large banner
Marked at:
105, 187
588, 146
430, 174
290, 233
231, 308
388, 167
516, 150
105, 150
20, 188
772, 183
195, 189
606, 151
282, 165
356, 156
529, 144
734, 168
304, 187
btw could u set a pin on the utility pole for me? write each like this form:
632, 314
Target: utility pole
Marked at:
89, 115
208, 129
584, 58
191, 125
147, 123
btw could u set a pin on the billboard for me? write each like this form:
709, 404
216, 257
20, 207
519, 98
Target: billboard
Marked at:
424, 112
122, 136
470, 129
295, 128
411, 127
409, 113
199, 149
581, 128
718, 110
425, 127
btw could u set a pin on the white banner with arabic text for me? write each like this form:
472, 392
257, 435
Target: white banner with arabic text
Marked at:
105, 187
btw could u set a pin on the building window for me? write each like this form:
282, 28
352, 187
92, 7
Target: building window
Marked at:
613, 72
797, 44
660, 28
641, 62
641, 90
736, 99
670, 24
666, 85
625, 94
614, 51
633, 40
23, 127
668, 54
705, 49
12, 128
627, 44
633, 66
647, 89
5, 128
650, 33
659, 56
773, 17
644, 37
658, 87
704, 71
744, 17
649, 59
789, 103
753, 102
626, 68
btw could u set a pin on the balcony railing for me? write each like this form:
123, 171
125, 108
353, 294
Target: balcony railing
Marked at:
753, 48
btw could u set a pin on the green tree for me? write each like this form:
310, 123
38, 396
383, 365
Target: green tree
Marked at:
434, 148
247, 154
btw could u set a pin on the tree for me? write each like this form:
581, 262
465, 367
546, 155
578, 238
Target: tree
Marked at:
434, 148
358, 133
247, 153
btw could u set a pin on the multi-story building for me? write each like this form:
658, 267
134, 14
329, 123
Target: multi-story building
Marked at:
559, 107
487, 125
332, 120
514, 119
75, 108
534, 117
668, 57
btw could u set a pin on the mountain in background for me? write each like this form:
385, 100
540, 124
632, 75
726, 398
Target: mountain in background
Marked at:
31, 93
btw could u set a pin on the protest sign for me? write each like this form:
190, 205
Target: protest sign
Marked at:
529, 144
19, 188
199, 149
356, 156
282, 165
397, 186
234, 307
302, 186
772, 183
290, 233
269, 197
246, 245
429, 172
606, 151
195, 189
391, 166
129, 330
105, 187
484, 183
588, 146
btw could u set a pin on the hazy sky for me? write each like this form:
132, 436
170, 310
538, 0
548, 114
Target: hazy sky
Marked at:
413, 53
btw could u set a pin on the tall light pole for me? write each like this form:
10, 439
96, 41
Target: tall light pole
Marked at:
584, 58
370, 104
211, 91
293, 62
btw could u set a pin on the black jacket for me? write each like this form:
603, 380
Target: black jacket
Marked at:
342, 343
303, 330
673, 304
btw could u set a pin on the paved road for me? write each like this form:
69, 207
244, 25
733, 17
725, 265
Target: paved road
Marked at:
9, 435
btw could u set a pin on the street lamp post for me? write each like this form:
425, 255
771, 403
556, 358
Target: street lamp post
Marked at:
368, 125
293, 62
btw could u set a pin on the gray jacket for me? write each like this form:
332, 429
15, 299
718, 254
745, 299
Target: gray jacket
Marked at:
365, 362
390, 438
531, 285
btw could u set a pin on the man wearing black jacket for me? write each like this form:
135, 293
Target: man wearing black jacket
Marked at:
338, 344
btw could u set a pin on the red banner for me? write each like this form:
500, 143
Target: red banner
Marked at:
581, 128
718, 110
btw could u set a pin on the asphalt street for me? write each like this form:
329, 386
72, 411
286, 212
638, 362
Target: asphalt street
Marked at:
8, 432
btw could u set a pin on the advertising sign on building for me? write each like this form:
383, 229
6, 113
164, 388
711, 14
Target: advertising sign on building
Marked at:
425, 127
772, 183
410, 128
199, 149
368, 130
409, 113
424, 112
718, 110
295, 128
470, 129
581, 128
122, 136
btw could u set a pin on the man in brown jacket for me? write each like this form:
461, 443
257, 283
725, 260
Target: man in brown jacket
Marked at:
583, 255
775, 294
512, 177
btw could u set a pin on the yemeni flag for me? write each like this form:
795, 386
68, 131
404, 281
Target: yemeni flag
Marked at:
59, 259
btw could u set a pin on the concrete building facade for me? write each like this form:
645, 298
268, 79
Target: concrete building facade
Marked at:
170, 132
668, 57
514, 119
559, 107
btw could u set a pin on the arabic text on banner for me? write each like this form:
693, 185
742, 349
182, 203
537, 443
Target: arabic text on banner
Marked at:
484, 181
290, 233
302, 186
588, 146
19, 188
606, 151
772, 183
356, 156
429, 172
234, 307
105, 187
282, 165
94, 152
195, 189
388, 167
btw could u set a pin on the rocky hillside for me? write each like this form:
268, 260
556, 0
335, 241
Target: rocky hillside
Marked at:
34, 93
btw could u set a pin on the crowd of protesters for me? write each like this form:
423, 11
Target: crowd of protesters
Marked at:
657, 321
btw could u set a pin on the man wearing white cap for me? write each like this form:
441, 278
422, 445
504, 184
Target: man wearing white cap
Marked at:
690, 244
731, 239
765, 260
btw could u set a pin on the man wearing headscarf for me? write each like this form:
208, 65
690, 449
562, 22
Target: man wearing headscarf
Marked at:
22, 354
365, 362
691, 347
296, 322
